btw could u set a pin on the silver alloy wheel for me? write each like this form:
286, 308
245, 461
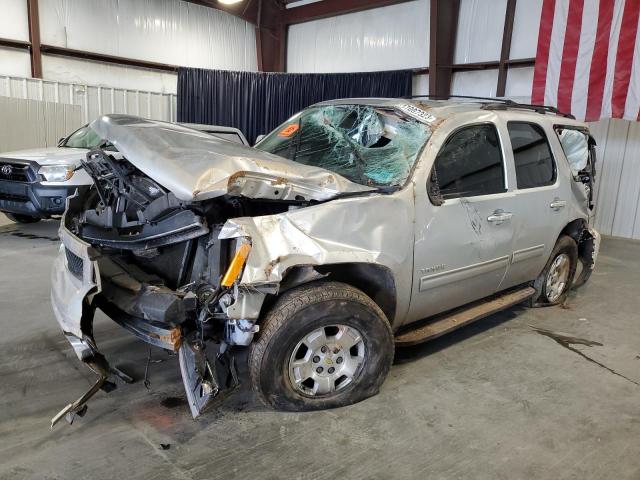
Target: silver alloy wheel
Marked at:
558, 277
326, 360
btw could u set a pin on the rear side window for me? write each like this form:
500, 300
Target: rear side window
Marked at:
575, 144
532, 155
469, 164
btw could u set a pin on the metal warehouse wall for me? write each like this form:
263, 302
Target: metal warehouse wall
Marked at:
93, 101
387, 38
32, 123
165, 31
618, 180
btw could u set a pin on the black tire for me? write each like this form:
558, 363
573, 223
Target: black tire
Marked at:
564, 246
298, 313
18, 218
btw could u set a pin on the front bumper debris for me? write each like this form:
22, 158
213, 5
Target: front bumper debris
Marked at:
205, 381
83, 280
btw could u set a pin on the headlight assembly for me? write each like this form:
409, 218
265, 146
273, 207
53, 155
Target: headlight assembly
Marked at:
57, 173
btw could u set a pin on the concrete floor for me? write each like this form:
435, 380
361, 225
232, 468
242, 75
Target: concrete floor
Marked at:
495, 400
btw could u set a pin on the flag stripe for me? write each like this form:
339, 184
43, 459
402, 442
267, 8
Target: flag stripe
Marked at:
588, 58
624, 57
542, 55
598, 72
616, 23
555, 52
570, 55
583, 64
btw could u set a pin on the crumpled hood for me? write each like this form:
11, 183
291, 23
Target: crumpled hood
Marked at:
196, 166
49, 155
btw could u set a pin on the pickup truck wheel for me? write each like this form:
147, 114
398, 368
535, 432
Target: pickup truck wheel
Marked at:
16, 217
556, 279
322, 345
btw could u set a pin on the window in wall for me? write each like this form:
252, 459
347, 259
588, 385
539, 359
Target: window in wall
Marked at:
469, 164
532, 155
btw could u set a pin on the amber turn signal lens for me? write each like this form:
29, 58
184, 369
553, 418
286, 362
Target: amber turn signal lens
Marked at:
233, 272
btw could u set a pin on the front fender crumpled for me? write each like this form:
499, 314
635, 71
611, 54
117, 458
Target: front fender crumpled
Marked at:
372, 229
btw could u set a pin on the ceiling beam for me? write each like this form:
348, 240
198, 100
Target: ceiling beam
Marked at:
331, 8
505, 52
101, 57
442, 42
271, 36
10, 43
33, 19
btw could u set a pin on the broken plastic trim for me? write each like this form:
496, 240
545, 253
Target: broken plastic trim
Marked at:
204, 381
99, 365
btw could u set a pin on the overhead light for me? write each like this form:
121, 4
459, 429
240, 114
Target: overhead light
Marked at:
229, 2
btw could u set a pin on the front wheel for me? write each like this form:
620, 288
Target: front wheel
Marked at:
322, 345
556, 279
18, 218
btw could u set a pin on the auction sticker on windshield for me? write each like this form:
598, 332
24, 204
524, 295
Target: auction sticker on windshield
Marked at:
417, 113
290, 130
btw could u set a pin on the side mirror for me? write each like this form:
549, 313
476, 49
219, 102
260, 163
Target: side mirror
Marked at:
258, 139
60, 140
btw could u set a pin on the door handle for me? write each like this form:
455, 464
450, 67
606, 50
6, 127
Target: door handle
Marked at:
499, 216
557, 204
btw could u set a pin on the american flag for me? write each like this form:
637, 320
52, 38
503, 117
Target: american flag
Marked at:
588, 58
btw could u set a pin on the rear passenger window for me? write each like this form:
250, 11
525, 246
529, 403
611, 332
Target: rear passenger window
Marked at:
469, 164
532, 155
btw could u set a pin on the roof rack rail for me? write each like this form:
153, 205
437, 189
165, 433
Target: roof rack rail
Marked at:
503, 103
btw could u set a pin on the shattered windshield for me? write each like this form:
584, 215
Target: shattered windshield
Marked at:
367, 145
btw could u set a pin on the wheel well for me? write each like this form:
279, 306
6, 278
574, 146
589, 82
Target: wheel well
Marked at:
579, 230
575, 229
375, 281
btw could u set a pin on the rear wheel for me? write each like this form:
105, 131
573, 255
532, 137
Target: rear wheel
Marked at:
18, 218
556, 279
322, 345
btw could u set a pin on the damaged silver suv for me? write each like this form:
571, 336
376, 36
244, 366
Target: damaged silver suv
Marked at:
355, 226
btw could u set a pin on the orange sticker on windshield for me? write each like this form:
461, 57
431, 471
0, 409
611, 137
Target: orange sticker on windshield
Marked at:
288, 131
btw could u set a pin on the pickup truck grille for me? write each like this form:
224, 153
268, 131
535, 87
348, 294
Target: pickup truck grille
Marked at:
75, 264
13, 197
16, 172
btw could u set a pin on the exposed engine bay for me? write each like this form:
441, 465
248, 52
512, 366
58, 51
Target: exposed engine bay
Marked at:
162, 265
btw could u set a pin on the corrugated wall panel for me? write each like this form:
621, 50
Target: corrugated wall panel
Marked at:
480, 27
14, 61
482, 83
629, 188
73, 70
92, 100
165, 31
13, 20
387, 38
617, 196
526, 24
32, 123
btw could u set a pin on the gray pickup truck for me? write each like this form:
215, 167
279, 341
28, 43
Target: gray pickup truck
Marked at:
35, 183
355, 226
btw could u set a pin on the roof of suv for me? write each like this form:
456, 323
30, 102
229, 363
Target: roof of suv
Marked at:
444, 109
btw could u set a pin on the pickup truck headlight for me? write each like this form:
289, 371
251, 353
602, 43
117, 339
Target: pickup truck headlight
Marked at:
57, 173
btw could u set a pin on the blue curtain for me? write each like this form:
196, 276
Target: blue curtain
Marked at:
257, 102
